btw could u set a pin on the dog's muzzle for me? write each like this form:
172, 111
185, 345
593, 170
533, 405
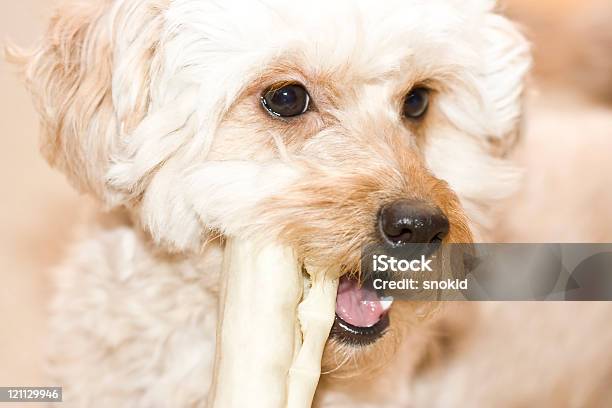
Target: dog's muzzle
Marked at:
361, 312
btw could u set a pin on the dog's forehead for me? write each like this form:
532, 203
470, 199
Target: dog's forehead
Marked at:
374, 35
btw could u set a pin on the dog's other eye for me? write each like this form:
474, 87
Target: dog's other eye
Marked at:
416, 103
286, 101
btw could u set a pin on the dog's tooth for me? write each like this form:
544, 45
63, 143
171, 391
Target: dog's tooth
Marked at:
386, 303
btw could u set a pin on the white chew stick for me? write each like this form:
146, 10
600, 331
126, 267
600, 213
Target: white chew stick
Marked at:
256, 338
316, 316
269, 350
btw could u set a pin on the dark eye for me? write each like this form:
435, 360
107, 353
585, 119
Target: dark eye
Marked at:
289, 100
416, 103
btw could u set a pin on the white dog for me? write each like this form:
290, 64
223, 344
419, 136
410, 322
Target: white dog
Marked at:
324, 123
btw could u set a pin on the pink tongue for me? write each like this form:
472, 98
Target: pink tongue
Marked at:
356, 305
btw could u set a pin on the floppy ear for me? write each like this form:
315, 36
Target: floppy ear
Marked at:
507, 61
89, 79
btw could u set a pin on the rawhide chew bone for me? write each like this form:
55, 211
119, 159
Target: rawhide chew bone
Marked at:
316, 316
261, 360
261, 287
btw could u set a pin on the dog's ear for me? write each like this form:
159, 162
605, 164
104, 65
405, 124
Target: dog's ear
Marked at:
89, 79
507, 61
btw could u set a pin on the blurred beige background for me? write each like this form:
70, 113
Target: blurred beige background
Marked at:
35, 212
567, 153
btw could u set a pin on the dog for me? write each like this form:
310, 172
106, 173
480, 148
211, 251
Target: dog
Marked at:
327, 125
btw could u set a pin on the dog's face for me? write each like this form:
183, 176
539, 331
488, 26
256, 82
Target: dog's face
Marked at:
328, 125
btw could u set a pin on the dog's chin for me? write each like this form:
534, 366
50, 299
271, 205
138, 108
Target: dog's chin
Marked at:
353, 351
368, 327
368, 330
363, 337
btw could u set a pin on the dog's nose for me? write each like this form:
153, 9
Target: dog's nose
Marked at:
412, 221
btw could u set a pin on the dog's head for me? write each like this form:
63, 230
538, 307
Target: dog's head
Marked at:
329, 124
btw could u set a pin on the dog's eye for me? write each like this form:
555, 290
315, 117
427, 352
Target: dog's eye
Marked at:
286, 101
416, 103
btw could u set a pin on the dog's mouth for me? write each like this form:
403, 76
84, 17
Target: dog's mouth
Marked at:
361, 313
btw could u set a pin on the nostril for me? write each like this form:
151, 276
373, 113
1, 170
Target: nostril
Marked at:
400, 234
412, 221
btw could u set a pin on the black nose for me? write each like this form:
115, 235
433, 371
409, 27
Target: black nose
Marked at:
412, 221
